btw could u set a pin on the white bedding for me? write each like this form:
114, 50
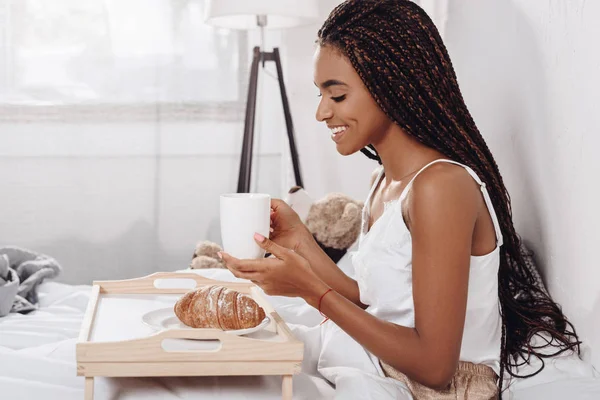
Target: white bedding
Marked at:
37, 360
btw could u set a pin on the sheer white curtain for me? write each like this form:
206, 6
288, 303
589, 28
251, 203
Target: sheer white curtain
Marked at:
120, 124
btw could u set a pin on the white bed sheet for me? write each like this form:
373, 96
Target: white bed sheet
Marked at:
37, 360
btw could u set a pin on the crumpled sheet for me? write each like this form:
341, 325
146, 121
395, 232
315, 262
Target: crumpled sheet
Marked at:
30, 269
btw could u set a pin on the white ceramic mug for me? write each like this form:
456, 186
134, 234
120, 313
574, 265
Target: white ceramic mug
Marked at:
243, 215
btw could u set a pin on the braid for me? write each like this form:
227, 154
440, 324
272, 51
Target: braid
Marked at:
502, 357
370, 152
398, 53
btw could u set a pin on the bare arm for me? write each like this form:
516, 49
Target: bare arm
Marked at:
443, 210
330, 273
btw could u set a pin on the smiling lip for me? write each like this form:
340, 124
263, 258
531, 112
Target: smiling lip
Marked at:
338, 132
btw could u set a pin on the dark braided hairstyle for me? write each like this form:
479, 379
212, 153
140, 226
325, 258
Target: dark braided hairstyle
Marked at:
398, 53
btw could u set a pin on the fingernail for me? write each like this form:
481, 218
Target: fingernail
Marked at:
220, 255
271, 230
260, 238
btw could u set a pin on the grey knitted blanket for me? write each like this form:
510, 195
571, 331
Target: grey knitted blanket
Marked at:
30, 268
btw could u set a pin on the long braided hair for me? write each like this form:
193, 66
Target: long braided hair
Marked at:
398, 53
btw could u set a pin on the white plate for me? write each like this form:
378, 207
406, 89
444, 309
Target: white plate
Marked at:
165, 318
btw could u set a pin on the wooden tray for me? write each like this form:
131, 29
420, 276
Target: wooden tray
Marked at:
131, 349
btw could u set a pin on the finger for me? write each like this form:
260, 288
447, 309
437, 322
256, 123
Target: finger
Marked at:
258, 265
271, 247
267, 290
276, 204
251, 276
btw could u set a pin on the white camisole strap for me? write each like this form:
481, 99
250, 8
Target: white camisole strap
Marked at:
367, 203
486, 195
375, 183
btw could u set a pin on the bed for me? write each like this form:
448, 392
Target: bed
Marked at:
37, 353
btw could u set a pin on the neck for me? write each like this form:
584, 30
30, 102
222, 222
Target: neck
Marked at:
402, 155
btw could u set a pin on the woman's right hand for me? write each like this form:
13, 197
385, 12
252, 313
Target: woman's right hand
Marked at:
287, 228
291, 233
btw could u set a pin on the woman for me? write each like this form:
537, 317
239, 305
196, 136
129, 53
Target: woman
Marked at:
442, 302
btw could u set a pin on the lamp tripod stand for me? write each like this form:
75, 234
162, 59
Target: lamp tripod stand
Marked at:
245, 173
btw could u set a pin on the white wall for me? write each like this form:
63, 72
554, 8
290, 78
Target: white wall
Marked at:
530, 73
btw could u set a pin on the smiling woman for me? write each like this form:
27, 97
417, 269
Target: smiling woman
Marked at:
441, 282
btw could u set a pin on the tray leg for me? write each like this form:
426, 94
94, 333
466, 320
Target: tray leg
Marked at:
89, 388
287, 387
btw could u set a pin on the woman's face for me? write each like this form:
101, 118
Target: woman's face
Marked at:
346, 106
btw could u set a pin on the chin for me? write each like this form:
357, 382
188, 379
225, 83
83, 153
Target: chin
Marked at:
345, 150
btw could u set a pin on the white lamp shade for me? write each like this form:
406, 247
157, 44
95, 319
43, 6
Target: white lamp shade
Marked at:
242, 14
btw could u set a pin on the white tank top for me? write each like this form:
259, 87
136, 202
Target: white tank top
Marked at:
383, 268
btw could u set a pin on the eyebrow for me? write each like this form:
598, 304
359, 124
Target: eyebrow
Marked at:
331, 82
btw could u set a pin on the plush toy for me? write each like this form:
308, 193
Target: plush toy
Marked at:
334, 220
205, 256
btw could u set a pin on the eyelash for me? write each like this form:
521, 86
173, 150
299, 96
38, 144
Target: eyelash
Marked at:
336, 99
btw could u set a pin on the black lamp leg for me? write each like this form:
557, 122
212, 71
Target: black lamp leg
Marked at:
248, 142
288, 119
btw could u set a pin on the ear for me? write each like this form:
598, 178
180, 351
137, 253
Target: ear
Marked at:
351, 213
207, 248
347, 228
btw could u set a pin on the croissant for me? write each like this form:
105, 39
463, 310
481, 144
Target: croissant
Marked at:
218, 307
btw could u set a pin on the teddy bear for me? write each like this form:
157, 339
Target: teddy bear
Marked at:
205, 256
334, 220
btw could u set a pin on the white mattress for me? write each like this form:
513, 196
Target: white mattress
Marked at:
37, 360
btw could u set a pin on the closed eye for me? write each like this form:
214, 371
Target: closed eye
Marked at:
339, 98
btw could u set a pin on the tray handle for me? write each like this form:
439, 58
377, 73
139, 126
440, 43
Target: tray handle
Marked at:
151, 349
146, 284
197, 334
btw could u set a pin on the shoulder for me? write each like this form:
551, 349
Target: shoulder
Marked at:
444, 188
443, 177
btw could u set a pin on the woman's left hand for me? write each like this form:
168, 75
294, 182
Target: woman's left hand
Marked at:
285, 274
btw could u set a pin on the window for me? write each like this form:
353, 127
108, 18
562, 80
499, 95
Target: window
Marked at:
118, 59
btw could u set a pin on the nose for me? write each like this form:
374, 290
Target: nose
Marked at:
324, 111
